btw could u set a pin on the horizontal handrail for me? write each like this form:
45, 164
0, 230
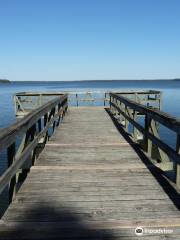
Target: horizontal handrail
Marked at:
162, 117
139, 92
166, 148
40, 93
129, 111
7, 134
33, 129
26, 101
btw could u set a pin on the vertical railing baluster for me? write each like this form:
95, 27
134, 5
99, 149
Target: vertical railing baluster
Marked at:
53, 114
110, 102
147, 141
45, 123
77, 102
135, 131
11, 150
39, 125
119, 114
125, 119
59, 118
178, 165
117, 105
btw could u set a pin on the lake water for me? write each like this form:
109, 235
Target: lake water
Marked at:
170, 89
170, 97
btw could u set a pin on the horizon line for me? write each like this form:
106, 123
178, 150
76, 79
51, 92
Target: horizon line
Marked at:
153, 79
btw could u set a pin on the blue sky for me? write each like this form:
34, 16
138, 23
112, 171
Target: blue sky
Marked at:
89, 39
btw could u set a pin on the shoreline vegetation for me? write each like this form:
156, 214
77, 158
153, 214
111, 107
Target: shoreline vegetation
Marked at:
5, 81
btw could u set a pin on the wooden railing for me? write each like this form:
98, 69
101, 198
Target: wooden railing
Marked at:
127, 111
23, 140
25, 102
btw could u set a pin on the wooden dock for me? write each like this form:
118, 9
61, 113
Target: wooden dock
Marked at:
89, 183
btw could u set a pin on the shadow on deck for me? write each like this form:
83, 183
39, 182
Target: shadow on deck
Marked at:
55, 223
37, 219
68, 225
155, 171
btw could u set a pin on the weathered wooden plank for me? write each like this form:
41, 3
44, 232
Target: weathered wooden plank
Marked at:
145, 205
108, 224
120, 166
99, 215
89, 184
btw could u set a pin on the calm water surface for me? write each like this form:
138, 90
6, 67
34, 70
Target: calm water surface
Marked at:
170, 89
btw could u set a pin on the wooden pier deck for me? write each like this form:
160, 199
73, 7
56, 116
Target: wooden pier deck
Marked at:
89, 183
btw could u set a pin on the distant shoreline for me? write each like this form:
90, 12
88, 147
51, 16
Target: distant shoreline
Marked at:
113, 80
5, 81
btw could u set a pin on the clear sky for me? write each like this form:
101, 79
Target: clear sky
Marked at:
89, 39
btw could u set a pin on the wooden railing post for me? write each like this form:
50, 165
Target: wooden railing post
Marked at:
110, 102
77, 102
163, 154
105, 98
112, 108
59, 118
30, 134
33, 154
178, 165
125, 119
39, 125
135, 132
53, 114
33, 134
45, 123
12, 185
122, 117
117, 105
147, 141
